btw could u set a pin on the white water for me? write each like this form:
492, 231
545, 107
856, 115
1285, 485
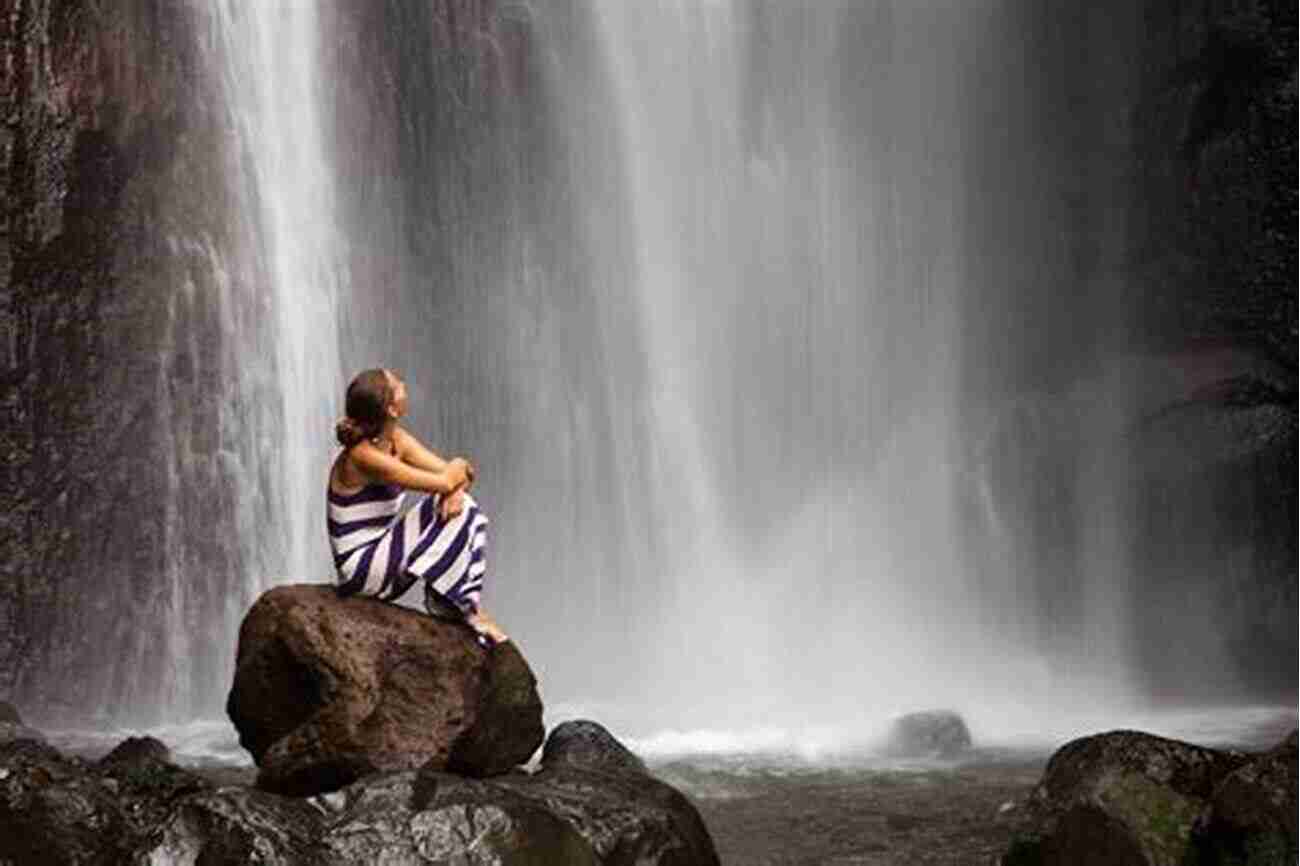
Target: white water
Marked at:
777, 543
294, 262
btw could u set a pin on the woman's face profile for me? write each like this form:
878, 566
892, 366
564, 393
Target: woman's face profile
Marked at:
397, 405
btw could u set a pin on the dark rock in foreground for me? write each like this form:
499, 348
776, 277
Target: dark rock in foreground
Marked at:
933, 732
329, 690
1252, 816
133, 807
55, 809
582, 808
1126, 798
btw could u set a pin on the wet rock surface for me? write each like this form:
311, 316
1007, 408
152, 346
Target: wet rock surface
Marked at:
328, 690
1252, 816
585, 743
1127, 797
930, 733
56, 809
134, 807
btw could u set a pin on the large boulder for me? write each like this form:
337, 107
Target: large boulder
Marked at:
1123, 798
1252, 817
941, 733
328, 690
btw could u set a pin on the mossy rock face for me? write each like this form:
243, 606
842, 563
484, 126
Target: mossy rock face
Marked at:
1122, 798
1253, 814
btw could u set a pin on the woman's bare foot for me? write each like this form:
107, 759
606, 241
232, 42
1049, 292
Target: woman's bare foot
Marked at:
486, 626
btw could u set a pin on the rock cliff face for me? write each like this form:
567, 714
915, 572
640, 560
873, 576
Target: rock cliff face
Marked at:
113, 229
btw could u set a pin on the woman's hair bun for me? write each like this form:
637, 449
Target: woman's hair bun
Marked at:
348, 432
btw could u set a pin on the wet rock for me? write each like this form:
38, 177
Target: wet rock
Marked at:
567, 815
53, 811
137, 750
56, 809
1252, 817
933, 732
328, 690
235, 825
9, 714
629, 818
588, 744
140, 772
1121, 798
438, 817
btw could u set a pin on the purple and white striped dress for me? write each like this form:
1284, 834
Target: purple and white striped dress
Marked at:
381, 551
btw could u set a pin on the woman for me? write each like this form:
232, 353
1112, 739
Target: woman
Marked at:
378, 550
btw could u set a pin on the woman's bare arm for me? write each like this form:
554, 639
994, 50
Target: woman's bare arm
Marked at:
391, 470
413, 451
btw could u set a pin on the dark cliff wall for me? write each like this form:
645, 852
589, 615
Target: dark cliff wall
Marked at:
1214, 250
112, 199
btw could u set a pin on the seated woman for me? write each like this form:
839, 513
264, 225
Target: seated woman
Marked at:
381, 551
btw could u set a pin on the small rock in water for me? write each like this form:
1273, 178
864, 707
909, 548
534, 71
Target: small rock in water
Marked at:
933, 732
9, 713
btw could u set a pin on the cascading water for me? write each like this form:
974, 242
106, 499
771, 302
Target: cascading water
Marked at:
294, 258
713, 293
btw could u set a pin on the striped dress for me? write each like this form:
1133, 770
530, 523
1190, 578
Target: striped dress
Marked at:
380, 551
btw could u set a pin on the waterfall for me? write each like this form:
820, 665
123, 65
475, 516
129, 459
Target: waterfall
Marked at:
705, 289
293, 261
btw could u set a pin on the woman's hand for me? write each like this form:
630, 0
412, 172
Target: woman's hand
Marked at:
463, 465
452, 504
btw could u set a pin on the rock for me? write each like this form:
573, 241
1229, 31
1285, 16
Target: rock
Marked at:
17, 731
137, 750
9, 714
52, 811
236, 825
1121, 798
436, 817
1252, 816
933, 732
630, 819
134, 807
55, 809
588, 744
327, 690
